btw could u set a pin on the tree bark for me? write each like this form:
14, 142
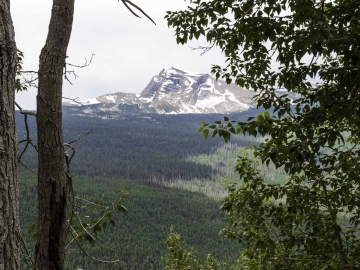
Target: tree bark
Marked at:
52, 187
9, 192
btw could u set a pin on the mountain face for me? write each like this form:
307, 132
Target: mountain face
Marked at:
174, 91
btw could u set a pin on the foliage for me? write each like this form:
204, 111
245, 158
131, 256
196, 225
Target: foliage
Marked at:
19, 85
88, 219
311, 50
178, 257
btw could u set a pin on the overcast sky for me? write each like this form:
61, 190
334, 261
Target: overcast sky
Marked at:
128, 51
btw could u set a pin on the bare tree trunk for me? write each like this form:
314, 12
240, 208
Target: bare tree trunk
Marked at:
52, 187
9, 192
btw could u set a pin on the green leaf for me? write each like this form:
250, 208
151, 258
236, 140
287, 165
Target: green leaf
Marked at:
206, 133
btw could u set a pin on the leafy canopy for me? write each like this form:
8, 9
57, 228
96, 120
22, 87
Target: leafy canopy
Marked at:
180, 257
19, 85
309, 49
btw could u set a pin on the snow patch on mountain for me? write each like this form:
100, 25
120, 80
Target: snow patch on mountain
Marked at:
87, 101
175, 91
112, 98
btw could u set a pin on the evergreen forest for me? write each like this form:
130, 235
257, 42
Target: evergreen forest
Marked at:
137, 187
156, 159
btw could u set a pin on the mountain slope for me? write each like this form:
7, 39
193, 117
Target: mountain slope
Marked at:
174, 91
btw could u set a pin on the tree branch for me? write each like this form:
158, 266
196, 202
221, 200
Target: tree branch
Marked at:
27, 251
87, 255
126, 2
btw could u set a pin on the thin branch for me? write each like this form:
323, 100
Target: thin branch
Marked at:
28, 71
28, 78
87, 255
22, 111
17, 105
28, 138
89, 202
85, 65
80, 137
65, 72
205, 49
105, 213
69, 156
84, 229
126, 2
73, 99
27, 250
30, 142
77, 66
93, 225
28, 112
131, 10
26, 167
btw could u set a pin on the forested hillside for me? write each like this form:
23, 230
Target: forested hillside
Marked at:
137, 153
139, 147
138, 240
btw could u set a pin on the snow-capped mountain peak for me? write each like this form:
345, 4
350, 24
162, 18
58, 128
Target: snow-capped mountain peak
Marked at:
177, 91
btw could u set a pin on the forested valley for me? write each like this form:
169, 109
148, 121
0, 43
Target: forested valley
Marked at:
147, 155
290, 199
139, 147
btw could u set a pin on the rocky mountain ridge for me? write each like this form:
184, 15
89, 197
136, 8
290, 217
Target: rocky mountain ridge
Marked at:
174, 91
